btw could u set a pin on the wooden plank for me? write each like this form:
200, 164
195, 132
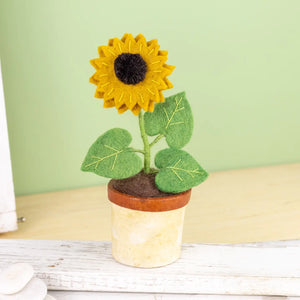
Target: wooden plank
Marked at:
69, 295
238, 206
202, 269
8, 217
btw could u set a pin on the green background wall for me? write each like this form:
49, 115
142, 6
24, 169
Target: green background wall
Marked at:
239, 62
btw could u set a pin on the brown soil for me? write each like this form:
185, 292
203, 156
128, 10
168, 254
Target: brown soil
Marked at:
140, 185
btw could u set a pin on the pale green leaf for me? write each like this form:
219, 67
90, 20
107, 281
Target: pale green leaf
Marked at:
178, 171
111, 157
173, 119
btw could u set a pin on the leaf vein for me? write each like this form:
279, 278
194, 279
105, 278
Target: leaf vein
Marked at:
176, 169
174, 112
166, 114
177, 175
177, 123
100, 159
109, 147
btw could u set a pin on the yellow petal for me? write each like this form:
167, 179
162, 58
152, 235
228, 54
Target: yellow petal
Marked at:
169, 68
123, 39
106, 51
130, 100
161, 97
118, 45
151, 106
122, 109
119, 98
93, 79
163, 52
141, 45
99, 94
154, 41
102, 63
130, 43
110, 42
153, 49
168, 83
160, 83
157, 96
109, 103
96, 63
136, 109
109, 94
156, 62
140, 38
104, 87
143, 101
151, 91
101, 54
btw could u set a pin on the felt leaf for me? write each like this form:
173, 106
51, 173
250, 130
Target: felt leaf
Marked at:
111, 157
178, 171
173, 119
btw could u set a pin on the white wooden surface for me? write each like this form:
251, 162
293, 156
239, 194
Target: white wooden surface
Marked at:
249, 269
8, 218
137, 296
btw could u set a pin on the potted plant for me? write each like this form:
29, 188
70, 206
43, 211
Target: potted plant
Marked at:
148, 203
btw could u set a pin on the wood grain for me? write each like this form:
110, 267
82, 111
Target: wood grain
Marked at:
249, 205
202, 269
67, 295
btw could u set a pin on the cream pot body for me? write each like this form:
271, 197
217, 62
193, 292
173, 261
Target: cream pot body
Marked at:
147, 232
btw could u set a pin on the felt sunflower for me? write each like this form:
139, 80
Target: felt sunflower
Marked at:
131, 73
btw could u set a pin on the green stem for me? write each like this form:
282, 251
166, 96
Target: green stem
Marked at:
137, 150
146, 144
156, 140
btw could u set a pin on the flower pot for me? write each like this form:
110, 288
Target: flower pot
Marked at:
147, 232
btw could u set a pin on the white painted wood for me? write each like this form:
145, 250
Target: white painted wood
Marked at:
49, 297
69, 295
263, 269
269, 244
8, 217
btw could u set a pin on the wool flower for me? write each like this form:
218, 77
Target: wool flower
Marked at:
131, 73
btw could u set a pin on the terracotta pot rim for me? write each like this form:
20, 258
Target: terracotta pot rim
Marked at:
151, 204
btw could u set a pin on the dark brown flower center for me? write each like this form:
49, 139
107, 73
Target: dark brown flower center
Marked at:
130, 68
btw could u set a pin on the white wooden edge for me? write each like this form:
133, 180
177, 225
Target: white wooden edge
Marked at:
8, 217
259, 269
69, 295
